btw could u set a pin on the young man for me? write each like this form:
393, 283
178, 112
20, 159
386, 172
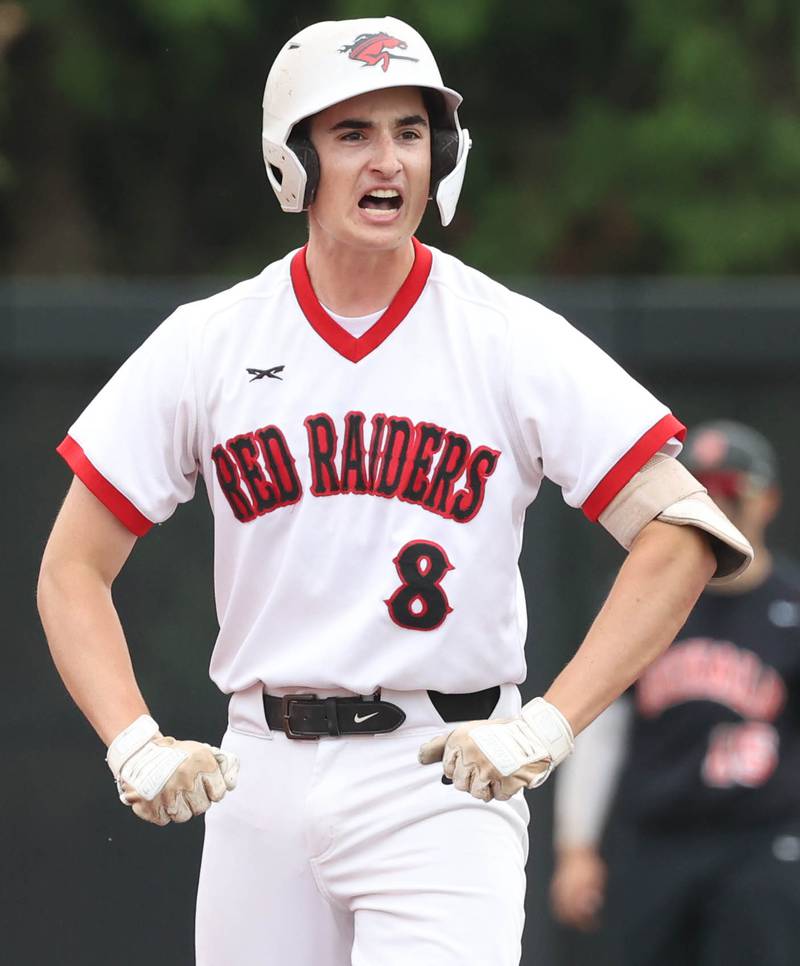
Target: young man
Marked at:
371, 419
704, 853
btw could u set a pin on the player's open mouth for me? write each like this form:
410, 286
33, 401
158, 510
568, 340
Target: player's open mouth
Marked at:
381, 199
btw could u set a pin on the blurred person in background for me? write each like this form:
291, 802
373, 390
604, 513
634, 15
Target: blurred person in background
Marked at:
701, 758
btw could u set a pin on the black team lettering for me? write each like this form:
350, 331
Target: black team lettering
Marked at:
228, 477
422, 464
427, 441
245, 451
354, 472
280, 464
466, 503
378, 425
322, 443
450, 467
395, 452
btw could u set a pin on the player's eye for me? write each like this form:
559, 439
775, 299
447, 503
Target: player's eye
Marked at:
410, 135
352, 136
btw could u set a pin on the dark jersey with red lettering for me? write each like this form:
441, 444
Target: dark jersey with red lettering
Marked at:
716, 732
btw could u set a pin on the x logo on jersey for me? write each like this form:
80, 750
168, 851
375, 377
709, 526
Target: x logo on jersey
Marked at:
269, 373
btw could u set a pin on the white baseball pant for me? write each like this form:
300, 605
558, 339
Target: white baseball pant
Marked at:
347, 851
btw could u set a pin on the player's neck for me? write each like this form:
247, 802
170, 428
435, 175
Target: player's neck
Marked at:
355, 281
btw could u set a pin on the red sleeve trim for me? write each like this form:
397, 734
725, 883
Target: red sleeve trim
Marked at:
106, 492
622, 472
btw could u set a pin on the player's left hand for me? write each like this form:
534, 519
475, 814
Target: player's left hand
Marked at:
469, 768
498, 758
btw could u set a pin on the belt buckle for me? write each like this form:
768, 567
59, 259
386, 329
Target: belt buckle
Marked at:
286, 710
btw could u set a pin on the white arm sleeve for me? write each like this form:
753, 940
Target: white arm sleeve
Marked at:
587, 780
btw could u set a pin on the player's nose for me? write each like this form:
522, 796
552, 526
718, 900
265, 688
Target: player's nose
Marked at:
385, 159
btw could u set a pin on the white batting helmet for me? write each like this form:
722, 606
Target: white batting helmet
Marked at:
332, 61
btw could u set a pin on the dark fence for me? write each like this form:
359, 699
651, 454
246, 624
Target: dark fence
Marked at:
83, 879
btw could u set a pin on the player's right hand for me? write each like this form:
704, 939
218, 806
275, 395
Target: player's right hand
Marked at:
577, 889
164, 780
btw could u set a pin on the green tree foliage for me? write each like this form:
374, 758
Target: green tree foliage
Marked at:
617, 136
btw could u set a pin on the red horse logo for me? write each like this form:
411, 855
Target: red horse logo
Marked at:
372, 49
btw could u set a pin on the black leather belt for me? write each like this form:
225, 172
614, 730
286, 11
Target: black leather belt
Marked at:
308, 717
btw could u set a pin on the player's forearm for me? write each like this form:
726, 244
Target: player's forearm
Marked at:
657, 586
88, 645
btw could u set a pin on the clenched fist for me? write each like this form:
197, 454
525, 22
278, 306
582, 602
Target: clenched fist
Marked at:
497, 758
165, 780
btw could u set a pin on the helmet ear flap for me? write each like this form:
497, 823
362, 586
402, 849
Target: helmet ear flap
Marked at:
444, 155
308, 157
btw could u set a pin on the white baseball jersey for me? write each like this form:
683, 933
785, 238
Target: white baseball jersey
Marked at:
368, 491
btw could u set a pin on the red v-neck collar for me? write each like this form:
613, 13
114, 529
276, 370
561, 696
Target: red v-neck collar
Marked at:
352, 347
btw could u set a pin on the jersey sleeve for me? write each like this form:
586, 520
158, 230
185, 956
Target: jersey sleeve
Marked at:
584, 422
134, 446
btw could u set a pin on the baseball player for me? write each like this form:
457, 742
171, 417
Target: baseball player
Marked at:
704, 854
370, 419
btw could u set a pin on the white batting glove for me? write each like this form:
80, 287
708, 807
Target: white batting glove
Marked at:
165, 780
495, 759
